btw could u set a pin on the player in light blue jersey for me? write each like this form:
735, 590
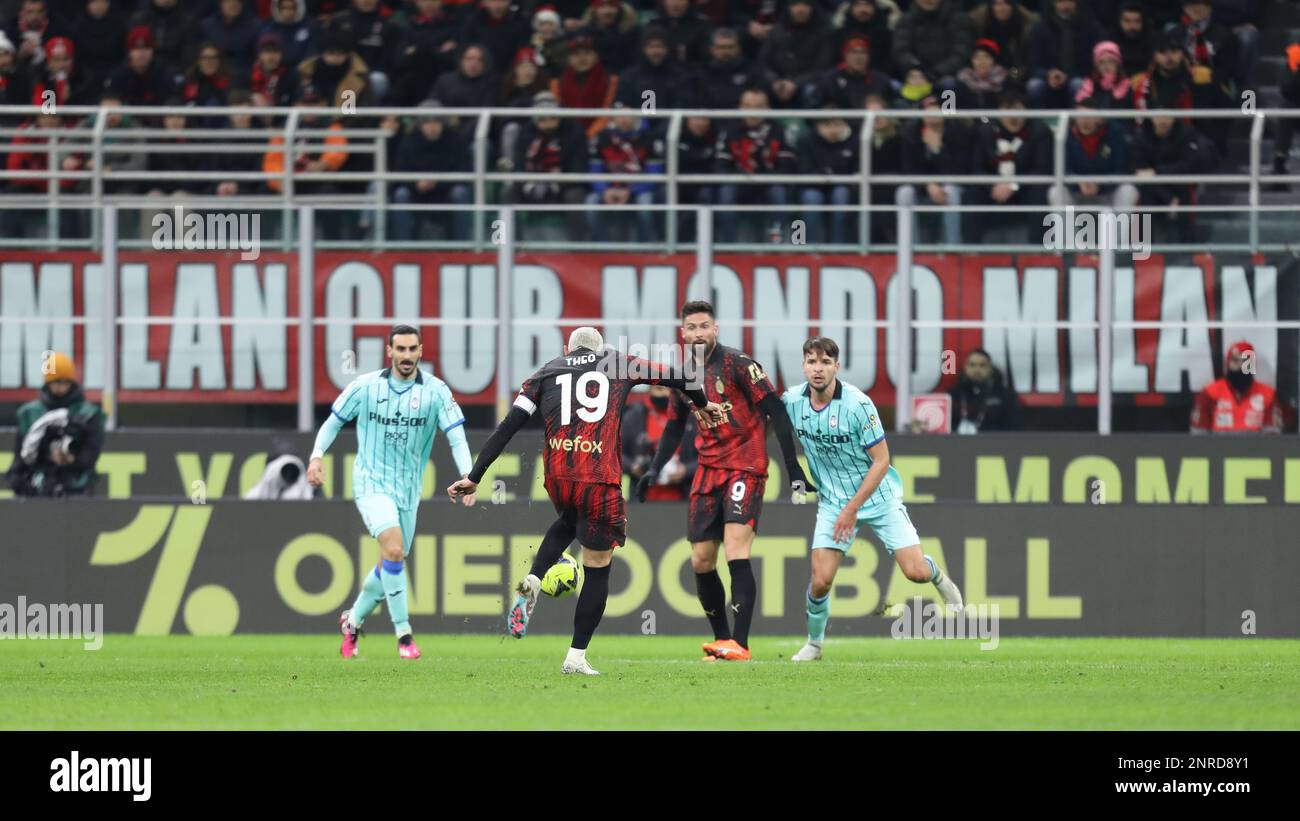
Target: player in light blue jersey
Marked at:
399, 411
844, 442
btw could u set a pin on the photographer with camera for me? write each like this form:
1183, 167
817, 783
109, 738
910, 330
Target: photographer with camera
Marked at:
60, 434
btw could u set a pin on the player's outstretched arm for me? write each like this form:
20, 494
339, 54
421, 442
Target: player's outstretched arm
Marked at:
324, 438
771, 405
496, 443
669, 441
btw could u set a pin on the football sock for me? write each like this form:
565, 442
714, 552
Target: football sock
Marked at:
394, 579
713, 598
557, 539
935, 575
371, 594
819, 612
744, 591
591, 604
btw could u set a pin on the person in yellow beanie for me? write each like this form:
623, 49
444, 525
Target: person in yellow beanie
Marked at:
60, 434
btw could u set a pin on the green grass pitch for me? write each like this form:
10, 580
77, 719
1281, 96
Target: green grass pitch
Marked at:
649, 682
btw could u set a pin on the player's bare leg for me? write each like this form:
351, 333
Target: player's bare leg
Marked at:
712, 595
393, 576
738, 542
825, 564
920, 568
591, 606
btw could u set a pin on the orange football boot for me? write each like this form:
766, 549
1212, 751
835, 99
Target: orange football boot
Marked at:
729, 650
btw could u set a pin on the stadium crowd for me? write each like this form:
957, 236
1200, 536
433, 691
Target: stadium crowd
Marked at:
782, 56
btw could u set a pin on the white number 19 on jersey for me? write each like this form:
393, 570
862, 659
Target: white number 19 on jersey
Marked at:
593, 407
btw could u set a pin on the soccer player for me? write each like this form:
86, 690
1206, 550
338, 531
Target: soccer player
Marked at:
581, 395
844, 442
727, 493
399, 411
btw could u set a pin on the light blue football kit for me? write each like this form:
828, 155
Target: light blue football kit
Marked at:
397, 422
835, 440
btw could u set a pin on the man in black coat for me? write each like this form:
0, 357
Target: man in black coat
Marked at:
982, 400
1013, 145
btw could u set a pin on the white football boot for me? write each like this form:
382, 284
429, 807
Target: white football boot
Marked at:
951, 595
576, 662
809, 652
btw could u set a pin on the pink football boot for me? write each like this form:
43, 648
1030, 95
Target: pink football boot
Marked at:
348, 649
406, 648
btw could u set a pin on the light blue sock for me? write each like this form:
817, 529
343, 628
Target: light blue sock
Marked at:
394, 579
936, 576
372, 593
819, 612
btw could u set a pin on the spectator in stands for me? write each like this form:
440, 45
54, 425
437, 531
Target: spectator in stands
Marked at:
100, 34
1289, 87
1165, 145
121, 155
916, 88
829, 146
865, 18
980, 84
175, 36
500, 28
937, 36
376, 38
207, 82
644, 420
616, 29
549, 40
60, 77
936, 146
1006, 23
585, 83
798, 48
687, 31
60, 435
14, 86
848, 85
1096, 148
525, 79
1108, 86
726, 74
432, 148
1181, 85
312, 155
626, 146
432, 37
233, 30
338, 73
171, 173
550, 145
886, 158
31, 153
982, 399
140, 80
754, 145
697, 153
299, 34
30, 33
1132, 33
272, 82
1240, 17
471, 85
657, 79
1013, 145
1238, 401
1060, 53
236, 162
1211, 51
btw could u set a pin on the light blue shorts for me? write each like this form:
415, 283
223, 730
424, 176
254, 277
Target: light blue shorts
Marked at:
381, 512
892, 526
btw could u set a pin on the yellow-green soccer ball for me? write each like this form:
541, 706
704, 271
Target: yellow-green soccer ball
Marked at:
562, 579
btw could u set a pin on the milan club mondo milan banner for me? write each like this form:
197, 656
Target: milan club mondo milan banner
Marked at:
174, 346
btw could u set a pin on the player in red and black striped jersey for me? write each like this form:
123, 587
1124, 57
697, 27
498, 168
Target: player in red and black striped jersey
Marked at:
581, 397
727, 494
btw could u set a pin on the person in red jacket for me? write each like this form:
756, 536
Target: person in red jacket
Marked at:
1238, 402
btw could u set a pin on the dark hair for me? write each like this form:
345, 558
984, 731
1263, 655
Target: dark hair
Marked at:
403, 329
698, 307
981, 352
824, 344
1010, 98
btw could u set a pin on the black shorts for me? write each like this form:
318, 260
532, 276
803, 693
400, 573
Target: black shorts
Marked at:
595, 510
719, 497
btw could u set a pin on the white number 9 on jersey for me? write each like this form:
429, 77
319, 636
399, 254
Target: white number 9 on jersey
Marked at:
593, 407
